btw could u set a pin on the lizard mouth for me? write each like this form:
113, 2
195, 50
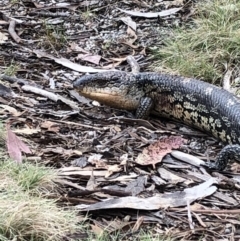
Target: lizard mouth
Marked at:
112, 99
99, 96
109, 99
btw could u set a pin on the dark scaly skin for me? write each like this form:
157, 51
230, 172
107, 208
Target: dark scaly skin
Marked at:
190, 101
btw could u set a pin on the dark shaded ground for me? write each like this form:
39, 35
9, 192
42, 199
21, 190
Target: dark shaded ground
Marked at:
81, 136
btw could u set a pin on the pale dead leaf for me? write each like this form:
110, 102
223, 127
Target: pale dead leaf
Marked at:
197, 206
173, 3
119, 59
152, 15
123, 159
95, 158
97, 230
15, 146
10, 109
27, 131
116, 128
77, 152
159, 201
112, 169
50, 95
95, 59
137, 225
2, 22
129, 43
62, 181
100, 164
38, 5
67, 63
91, 184
78, 171
130, 23
192, 160
76, 48
132, 34
143, 51
3, 38
88, 3
170, 177
51, 126
112, 65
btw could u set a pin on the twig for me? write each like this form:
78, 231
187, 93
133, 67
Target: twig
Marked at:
211, 211
226, 80
11, 30
133, 64
50, 14
199, 220
190, 221
38, 90
50, 95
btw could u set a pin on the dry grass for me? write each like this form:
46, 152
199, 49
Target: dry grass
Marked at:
24, 216
12, 69
53, 37
24, 212
206, 47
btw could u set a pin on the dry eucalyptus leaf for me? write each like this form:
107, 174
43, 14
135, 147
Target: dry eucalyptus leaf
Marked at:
175, 199
152, 15
3, 38
15, 146
69, 64
129, 22
95, 59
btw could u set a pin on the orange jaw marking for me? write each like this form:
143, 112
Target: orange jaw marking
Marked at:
112, 99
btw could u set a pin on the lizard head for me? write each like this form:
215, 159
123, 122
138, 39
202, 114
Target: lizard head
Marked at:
113, 88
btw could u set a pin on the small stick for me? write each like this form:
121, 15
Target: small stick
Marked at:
133, 64
50, 95
226, 80
11, 30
